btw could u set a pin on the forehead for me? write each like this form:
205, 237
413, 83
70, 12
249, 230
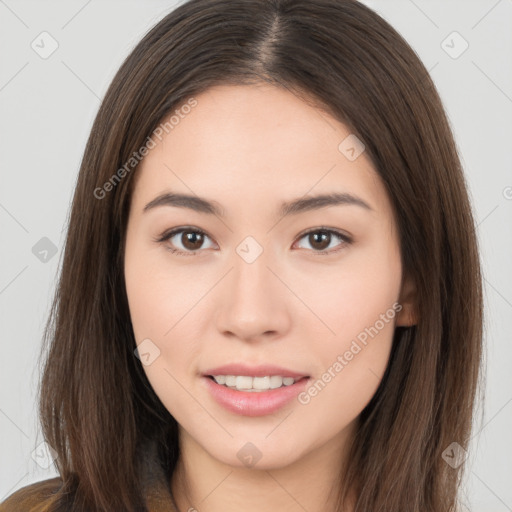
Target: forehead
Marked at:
254, 142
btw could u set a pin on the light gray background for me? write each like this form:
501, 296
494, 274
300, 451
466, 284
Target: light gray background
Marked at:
46, 111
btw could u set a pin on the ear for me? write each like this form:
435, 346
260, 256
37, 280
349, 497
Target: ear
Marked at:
408, 315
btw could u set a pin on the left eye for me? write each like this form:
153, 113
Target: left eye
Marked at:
320, 240
192, 239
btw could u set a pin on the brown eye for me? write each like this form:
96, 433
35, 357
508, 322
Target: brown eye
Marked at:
185, 241
192, 240
320, 240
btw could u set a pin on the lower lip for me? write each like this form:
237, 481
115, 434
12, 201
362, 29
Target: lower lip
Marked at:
257, 403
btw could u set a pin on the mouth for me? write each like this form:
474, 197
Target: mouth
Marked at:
253, 391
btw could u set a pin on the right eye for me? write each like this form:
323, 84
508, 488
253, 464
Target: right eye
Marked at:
191, 240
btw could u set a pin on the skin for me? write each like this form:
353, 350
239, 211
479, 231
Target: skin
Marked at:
248, 148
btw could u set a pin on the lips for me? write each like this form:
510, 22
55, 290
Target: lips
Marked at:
251, 402
254, 404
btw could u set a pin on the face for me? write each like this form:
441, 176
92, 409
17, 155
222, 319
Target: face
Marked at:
311, 292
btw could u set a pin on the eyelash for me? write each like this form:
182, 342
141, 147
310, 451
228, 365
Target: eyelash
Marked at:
169, 234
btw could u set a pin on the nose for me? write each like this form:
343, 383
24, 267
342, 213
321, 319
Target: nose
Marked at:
253, 302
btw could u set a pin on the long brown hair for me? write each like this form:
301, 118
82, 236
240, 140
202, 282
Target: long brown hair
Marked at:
97, 407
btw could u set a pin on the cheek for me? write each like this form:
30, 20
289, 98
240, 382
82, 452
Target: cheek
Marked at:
162, 302
166, 307
360, 305
159, 293
353, 294
350, 368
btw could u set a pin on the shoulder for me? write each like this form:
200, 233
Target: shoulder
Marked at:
31, 497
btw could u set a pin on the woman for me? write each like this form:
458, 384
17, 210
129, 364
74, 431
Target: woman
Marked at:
270, 296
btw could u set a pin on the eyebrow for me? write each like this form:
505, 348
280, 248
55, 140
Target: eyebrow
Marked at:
294, 207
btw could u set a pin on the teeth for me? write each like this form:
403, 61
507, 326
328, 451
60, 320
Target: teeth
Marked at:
250, 384
220, 379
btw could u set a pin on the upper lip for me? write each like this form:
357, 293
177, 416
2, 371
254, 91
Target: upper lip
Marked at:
253, 371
